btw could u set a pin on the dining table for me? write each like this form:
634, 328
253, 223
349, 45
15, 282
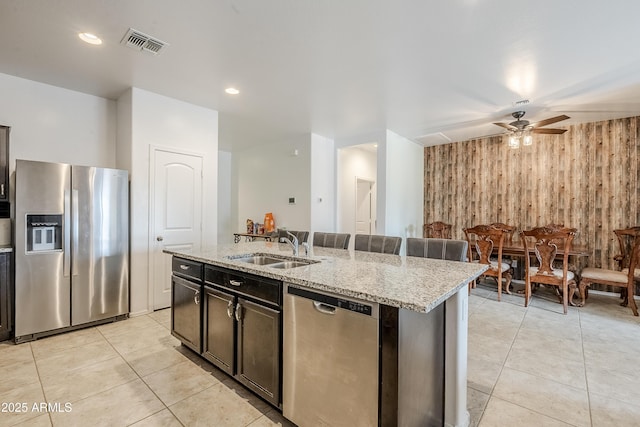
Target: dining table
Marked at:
516, 251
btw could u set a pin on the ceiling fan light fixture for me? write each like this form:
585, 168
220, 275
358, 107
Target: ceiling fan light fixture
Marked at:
527, 139
514, 141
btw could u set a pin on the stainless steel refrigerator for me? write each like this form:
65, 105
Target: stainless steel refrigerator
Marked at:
72, 247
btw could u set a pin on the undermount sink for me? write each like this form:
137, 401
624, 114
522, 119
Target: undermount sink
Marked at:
289, 264
272, 261
259, 259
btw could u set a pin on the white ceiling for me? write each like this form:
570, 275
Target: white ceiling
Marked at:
429, 70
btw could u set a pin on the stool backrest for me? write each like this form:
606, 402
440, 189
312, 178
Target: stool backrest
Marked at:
331, 240
452, 250
377, 243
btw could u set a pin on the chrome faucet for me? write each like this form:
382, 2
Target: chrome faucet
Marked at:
293, 242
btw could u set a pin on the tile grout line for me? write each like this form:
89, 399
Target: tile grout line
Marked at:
262, 415
501, 370
502, 367
44, 395
584, 361
141, 379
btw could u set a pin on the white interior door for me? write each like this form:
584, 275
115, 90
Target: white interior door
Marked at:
364, 207
176, 214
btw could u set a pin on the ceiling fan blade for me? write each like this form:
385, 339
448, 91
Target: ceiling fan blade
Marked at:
506, 126
550, 120
548, 131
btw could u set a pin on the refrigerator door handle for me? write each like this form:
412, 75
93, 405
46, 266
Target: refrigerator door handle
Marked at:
67, 234
74, 231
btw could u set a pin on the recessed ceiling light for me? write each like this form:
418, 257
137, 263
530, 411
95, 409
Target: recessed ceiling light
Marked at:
232, 91
90, 38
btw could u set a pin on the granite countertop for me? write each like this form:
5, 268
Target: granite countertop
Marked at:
413, 283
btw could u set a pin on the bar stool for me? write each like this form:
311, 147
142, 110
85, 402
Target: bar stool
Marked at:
331, 240
452, 250
377, 243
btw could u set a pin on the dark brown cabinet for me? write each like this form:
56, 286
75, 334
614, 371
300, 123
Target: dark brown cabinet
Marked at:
5, 295
219, 329
242, 327
258, 345
186, 307
233, 320
4, 163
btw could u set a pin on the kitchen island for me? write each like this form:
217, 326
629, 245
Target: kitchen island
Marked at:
414, 295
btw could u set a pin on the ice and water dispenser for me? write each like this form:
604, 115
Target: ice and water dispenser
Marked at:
44, 233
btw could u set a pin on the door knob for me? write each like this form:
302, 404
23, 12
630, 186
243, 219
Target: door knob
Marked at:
159, 238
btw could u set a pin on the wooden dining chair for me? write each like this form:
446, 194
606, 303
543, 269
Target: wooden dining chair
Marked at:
331, 240
544, 243
509, 230
483, 240
625, 277
437, 230
377, 243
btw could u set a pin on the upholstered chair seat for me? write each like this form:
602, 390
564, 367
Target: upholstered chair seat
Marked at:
596, 274
533, 271
505, 266
636, 273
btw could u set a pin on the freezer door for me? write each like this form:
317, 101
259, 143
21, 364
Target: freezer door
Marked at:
100, 244
42, 275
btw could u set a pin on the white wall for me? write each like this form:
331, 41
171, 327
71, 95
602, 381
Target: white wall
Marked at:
323, 184
353, 162
264, 178
404, 187
226, 226
164, 122
49, 123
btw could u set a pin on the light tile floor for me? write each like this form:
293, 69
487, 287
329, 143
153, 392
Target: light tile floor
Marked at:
527, 366
535, 366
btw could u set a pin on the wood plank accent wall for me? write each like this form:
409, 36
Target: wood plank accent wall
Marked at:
587, 178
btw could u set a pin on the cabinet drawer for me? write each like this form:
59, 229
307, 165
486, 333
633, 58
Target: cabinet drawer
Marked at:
260, 288
187, 268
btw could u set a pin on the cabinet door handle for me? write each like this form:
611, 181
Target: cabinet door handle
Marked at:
238, 312
235, 282
184, 267
230, 310
196, 298
2, 190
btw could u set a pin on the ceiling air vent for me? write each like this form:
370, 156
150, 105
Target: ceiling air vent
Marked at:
141, 41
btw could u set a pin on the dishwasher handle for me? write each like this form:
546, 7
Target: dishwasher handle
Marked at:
324, 308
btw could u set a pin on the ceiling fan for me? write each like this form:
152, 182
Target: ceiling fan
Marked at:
521, 125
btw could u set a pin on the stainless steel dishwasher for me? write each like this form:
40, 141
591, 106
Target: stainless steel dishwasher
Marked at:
330, 360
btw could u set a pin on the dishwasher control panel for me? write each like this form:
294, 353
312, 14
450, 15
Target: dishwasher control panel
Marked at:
334, 301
